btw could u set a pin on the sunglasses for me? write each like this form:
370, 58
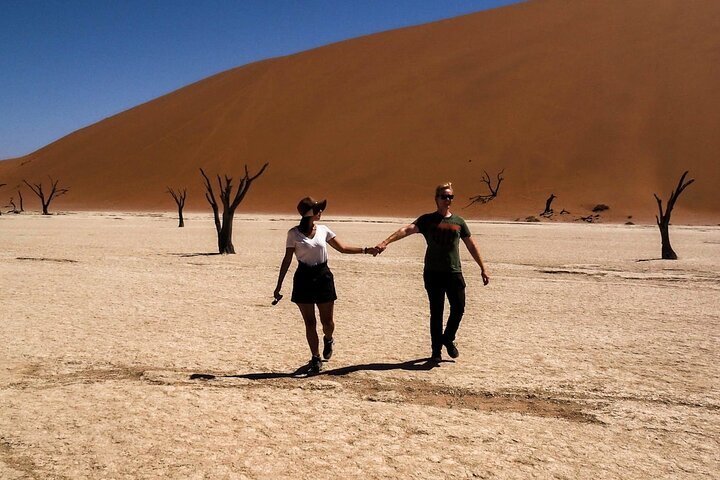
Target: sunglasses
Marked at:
446, 197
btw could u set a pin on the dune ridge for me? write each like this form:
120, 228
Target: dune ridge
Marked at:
596, 102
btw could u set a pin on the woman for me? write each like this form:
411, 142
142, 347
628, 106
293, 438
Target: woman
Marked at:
313, 282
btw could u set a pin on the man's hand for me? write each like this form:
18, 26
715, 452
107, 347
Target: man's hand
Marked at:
485, 277
380, 248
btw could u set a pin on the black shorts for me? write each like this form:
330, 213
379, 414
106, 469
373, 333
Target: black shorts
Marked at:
314, 284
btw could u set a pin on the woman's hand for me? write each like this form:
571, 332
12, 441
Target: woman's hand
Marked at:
374, 251
277, 296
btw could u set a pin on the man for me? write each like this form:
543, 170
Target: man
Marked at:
442, 275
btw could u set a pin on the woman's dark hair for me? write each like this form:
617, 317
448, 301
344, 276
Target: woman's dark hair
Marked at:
304, 226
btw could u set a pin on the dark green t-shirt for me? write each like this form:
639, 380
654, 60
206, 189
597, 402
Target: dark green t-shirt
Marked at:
442, 235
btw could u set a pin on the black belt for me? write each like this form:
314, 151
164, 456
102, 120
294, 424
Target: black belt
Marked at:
318, 267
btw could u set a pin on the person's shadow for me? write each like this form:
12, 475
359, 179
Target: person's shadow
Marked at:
420, 364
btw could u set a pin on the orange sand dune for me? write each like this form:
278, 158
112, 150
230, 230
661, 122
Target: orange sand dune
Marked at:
596, 102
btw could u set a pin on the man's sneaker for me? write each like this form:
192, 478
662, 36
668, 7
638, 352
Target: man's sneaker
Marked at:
452, 350
328, 349
315, 365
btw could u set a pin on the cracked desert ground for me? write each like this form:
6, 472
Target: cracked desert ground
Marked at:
129, 351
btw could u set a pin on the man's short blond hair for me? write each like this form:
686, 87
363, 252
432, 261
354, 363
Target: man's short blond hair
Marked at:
444, 186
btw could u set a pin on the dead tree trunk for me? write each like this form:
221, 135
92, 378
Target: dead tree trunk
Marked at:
14, 208
548, 211
2, 185
54, 192
224, 227
22, 209
663, 220
179, 197
493, 191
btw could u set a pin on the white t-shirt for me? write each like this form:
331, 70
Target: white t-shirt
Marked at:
310, 251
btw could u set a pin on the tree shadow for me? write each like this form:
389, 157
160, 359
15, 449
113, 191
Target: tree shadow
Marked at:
648, 260
420, 364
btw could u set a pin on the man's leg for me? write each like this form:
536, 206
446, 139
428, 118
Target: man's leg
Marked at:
456, 298
436, 295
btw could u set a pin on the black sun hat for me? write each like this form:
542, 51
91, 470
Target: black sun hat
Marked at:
309, 204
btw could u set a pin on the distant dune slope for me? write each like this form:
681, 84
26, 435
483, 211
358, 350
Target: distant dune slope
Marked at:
596, 102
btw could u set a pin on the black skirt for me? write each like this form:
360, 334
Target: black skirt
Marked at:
314, 284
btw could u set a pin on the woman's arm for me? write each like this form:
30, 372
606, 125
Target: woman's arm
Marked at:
475, 252
284, 266
342, 248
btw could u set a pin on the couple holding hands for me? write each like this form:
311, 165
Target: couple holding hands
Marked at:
313, 282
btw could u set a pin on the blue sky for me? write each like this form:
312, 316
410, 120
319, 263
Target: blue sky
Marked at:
65, 64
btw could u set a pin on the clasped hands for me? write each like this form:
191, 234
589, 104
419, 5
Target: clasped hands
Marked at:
377, 249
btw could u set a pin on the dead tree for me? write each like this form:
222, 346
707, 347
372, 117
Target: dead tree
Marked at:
548, 212
663, 220
14, 208
225, 187
493, 191
2, 185
54, 193
179, 197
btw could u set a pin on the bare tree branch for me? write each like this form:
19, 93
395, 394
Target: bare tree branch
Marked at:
210, 196
179, 196
245, 185
660, 208
482, 199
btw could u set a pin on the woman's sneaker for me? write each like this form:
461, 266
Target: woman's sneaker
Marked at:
315, 365
328, 349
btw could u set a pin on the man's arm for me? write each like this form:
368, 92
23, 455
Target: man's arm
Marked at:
475, 252
398, 235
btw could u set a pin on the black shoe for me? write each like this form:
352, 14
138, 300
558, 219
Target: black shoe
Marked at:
328, 349
436, 356
315, 365
452, 350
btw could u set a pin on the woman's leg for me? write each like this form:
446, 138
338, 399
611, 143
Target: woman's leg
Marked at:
326, 318
308, 313
328, 325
